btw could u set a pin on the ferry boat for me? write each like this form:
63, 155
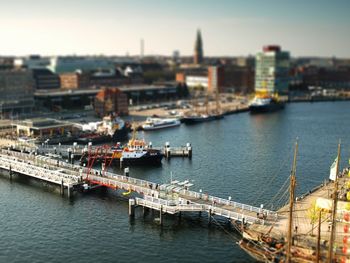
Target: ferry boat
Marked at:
158, 123
265, 104
110, 129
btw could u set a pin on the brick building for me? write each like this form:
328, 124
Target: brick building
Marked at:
111, 101
225, 78
74, 80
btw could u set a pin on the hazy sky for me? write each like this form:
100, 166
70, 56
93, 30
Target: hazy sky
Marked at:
114, 27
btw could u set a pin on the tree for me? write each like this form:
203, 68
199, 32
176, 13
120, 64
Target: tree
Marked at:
313, 214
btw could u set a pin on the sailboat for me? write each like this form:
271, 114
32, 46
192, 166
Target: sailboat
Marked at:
196, 117
265, 248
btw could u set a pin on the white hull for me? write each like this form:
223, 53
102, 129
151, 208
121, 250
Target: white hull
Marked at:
160, 124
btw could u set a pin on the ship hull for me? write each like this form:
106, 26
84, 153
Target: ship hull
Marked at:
119, 135
148, 159
195, 120
266, 108
259, 252
152, 128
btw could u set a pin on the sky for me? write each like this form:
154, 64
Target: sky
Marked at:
229, 27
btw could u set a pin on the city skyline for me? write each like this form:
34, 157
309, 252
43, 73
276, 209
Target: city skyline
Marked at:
229, 28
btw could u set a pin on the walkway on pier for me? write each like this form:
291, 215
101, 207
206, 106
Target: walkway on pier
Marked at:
78, 150
152, 195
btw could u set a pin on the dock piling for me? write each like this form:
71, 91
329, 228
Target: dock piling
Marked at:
69, 189
132, 207
62, 188
126, 171
167, 150
161, 215
209, 216
121, 163
145, 211
10, 173
189, 150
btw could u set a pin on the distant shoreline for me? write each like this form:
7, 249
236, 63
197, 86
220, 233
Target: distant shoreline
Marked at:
317, 99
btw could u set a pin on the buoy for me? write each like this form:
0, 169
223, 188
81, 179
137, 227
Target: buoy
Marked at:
127, 193
345, 239
346, 228
346, 217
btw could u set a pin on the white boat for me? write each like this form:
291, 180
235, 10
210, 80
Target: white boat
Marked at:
158, 123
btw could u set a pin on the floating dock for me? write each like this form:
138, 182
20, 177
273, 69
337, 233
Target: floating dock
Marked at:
66, 151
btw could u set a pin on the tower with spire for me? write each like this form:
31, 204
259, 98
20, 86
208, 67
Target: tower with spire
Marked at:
198, 49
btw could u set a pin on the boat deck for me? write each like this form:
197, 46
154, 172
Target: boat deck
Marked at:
302, 226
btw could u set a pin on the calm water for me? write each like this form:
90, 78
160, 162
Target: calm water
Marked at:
244, 156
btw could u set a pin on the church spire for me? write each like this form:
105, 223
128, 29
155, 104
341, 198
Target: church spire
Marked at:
198, 49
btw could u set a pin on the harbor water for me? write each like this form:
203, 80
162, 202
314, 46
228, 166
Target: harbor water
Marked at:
243, 156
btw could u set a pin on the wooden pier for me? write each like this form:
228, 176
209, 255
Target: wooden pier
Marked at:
172, 198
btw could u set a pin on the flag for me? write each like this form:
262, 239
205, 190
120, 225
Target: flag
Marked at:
332, 173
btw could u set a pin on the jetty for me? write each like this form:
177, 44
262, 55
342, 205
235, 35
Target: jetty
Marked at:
172, 198
75, 151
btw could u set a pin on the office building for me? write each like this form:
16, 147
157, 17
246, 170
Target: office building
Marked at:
16, 92
272, 70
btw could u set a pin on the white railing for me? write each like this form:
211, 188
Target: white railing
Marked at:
38, 172
166, 206
221, 201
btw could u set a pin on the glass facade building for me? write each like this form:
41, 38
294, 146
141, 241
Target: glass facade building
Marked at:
272, 70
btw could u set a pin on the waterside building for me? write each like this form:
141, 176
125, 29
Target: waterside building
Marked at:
272, 70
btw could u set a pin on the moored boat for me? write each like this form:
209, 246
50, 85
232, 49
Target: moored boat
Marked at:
136, 152
111, 129
158, 123
198, 118
265, 104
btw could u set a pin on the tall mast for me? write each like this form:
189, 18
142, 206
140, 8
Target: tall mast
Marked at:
318, 250
291, 204
217, 99
334, 210
207, 104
